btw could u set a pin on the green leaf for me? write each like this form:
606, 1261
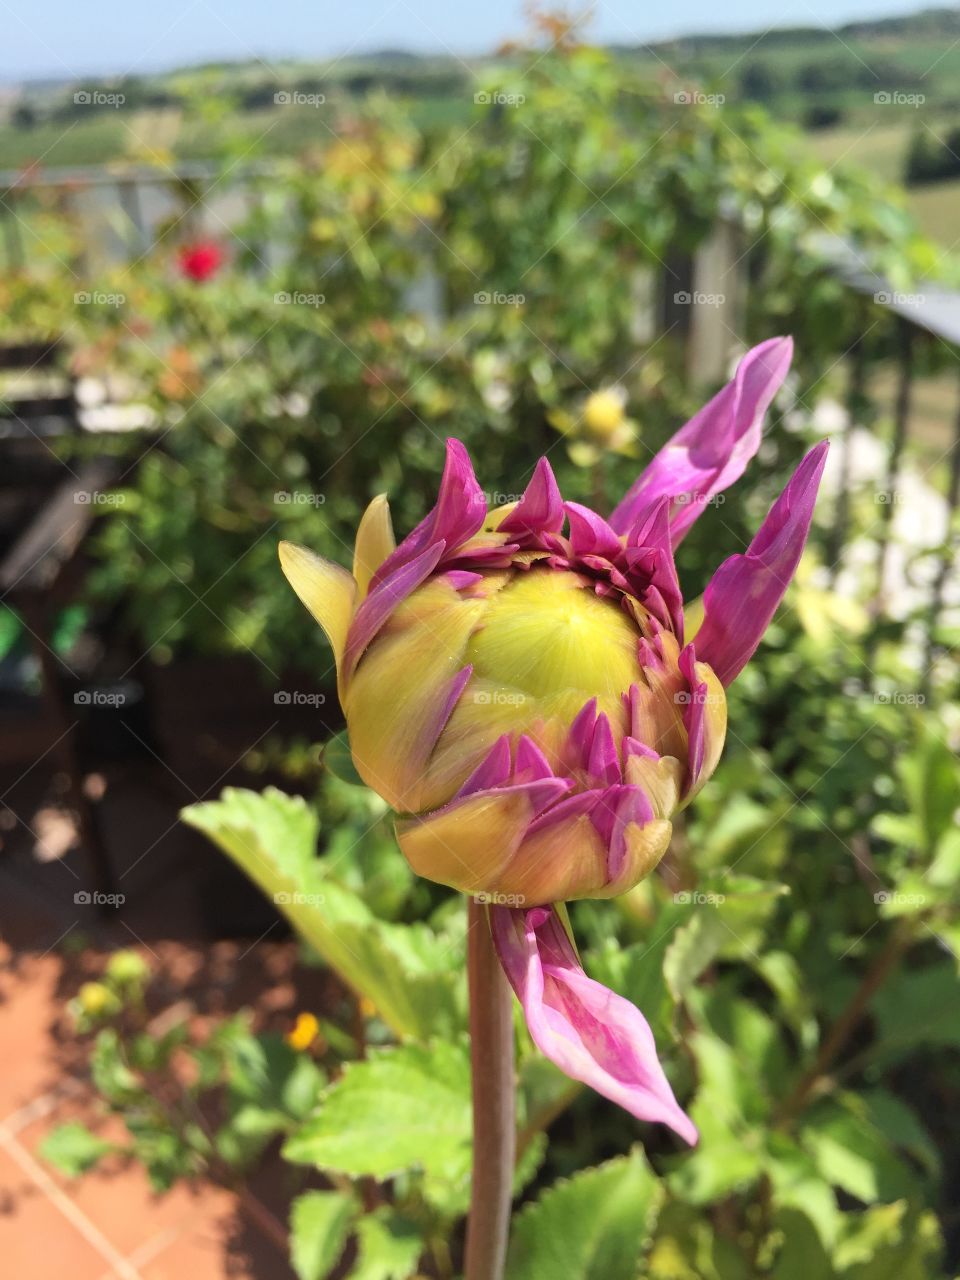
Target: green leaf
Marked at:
119, 1085
388, 1247
399, 1109
853, 1153
802, 1255
593, 1226
889, 1242
931, 777
73, 1149
410, 974
725, 1109
338, 759
727, 922
320, 1222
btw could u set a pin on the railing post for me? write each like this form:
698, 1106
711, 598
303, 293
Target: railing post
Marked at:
901, 420
946, 561
856, 403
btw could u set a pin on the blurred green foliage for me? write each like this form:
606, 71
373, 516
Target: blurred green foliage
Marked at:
797, 958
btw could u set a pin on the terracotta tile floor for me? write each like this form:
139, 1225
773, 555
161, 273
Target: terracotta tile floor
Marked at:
108, 1223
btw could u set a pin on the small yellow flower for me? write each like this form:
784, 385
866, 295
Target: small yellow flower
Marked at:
600, 427
94, 998
305, 1031
367, 1008
604, 413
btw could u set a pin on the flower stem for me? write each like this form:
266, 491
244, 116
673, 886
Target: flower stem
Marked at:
494, 1124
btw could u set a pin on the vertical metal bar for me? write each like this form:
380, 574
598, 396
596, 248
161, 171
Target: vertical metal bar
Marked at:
900, 423
946, 562
857, 405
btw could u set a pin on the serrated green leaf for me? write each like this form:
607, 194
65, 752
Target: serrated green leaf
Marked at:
399, 1109
320, 1222
388, 1247
73, 1149
854, 1154
409, 973
594, 1226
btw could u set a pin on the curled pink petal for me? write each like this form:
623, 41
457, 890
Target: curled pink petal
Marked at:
590, 1033
459, 514
649, 557
495, 770
590, 535
712, 450
540, 510
743, 594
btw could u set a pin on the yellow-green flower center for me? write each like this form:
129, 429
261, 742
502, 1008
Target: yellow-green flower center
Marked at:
545, 633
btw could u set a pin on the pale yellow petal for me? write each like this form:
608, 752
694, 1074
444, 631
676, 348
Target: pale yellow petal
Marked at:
328, 591
714, 724
693, 612
399, 689
469, 847
375, 541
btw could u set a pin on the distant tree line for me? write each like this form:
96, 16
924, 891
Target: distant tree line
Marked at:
85, 98
933, 156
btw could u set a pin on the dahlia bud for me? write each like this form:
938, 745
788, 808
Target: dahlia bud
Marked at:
518, 686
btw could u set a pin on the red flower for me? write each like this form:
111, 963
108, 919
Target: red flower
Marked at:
201, 260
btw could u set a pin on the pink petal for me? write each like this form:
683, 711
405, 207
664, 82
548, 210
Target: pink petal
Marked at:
590, 1033
494, 770
459, 513
713, 449
540, 510
649, 553
743, 594
590, 535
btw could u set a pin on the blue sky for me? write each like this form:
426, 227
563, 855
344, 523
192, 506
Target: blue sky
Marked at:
84, 37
